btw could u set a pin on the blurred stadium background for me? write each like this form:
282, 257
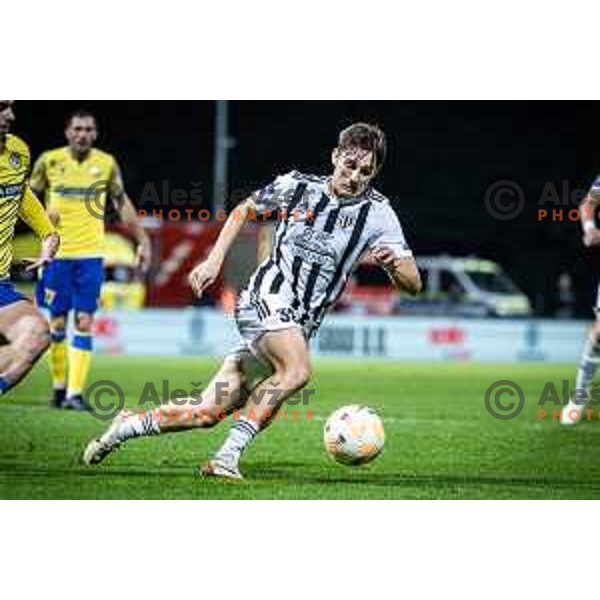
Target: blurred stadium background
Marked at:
444, 157
516, 290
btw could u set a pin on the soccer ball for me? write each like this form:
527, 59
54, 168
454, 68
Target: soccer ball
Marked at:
354, 435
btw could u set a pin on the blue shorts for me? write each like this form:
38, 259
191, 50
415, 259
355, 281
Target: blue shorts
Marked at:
8, 294
71, 284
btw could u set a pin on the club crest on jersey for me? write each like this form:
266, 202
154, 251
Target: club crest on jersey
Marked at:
95, 171
59, 166
346, 221
15, 160
49, 296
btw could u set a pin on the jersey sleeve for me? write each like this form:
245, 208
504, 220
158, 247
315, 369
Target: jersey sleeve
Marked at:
388, 233
38, 180
117, 187
277, 195
33, 213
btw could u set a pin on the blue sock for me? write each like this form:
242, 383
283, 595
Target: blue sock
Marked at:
4, 385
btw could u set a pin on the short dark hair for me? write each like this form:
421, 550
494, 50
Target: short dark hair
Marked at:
80, 113
366, 137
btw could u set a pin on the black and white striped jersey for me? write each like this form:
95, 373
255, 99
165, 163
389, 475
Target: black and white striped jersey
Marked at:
318, 240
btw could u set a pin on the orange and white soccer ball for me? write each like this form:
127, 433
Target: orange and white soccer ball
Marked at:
354, 435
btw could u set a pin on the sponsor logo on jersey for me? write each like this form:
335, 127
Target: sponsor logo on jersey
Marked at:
346, 221
8, 191
15, 160
314, 246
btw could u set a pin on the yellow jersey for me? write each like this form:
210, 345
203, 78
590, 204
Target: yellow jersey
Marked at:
77, 192
16, 199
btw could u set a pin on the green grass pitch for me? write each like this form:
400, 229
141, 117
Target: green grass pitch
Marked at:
440, 440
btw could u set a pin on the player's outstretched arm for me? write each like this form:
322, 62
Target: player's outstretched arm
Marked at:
205, 273
402, 271
591, 234
33, 213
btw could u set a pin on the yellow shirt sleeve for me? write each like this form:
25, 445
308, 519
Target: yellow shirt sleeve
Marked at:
117, 187
33, 213
38, 180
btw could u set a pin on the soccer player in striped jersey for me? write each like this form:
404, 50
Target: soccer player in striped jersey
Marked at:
325, 225
590, 356
77, 180
21, 324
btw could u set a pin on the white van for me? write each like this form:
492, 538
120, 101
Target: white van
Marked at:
465, 287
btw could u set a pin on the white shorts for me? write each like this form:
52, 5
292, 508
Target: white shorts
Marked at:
256, 316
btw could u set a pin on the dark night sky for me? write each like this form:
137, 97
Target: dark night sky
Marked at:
442, 158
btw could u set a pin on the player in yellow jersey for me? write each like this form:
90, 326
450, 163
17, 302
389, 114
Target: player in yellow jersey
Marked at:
23, 327
77, 181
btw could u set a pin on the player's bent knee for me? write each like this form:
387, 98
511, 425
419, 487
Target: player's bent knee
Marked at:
230, 370
84, 322
58, 324
296, 377
36, 335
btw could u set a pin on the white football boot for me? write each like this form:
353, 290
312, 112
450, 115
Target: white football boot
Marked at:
98, 449
572, 413
222, 467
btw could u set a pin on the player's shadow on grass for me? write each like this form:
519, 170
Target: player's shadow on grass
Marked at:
294, 473
274, 472
27, 471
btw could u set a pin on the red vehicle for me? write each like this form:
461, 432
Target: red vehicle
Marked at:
369, 291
